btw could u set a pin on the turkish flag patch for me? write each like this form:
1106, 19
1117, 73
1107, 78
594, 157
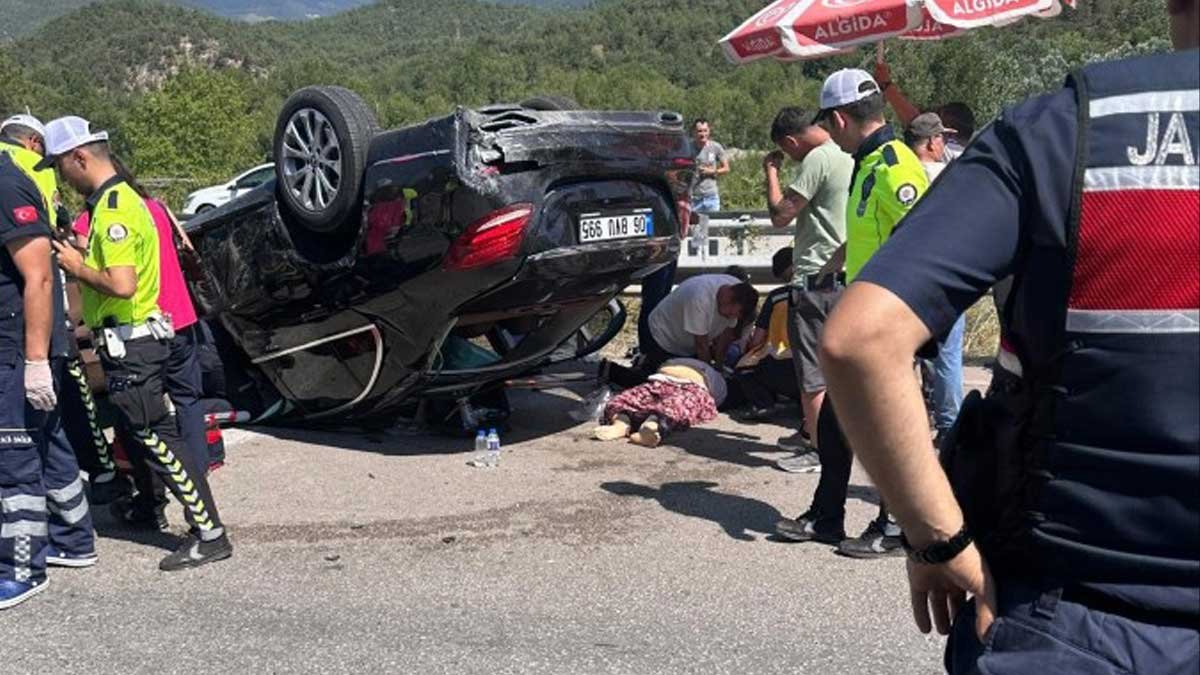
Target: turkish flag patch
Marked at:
25, 215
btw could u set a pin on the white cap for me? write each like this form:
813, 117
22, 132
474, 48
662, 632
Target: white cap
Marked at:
25, 121
846, 86
65, 134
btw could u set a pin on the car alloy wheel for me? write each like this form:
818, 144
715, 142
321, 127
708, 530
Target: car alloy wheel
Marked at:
312, 159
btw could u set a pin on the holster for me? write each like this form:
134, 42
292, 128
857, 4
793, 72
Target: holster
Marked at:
983, 457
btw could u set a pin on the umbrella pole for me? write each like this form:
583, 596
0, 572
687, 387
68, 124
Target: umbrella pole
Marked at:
879, 55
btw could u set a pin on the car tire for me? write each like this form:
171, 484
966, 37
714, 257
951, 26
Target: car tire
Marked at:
204, 208
322, 137
550, 102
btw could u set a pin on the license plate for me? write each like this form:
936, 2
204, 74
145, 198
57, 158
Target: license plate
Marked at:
606, 226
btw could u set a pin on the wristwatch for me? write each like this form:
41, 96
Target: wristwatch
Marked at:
938, 552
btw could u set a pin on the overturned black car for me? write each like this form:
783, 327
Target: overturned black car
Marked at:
437, 259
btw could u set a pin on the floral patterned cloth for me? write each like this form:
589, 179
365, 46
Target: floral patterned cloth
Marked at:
678, 405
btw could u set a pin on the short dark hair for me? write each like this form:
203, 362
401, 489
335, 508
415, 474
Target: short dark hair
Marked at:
19, 132
869, 109
746, 297
790, 121
698, 121
738, 272
781, 261
958, 116
911, 139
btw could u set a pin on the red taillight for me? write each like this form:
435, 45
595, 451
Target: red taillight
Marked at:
490, 239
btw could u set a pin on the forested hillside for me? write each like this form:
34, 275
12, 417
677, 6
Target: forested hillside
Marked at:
22, 17
189, 94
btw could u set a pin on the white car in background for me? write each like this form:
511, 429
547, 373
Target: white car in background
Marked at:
209, 198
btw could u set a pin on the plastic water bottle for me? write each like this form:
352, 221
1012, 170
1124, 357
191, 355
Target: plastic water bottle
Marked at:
481, 444
493, 448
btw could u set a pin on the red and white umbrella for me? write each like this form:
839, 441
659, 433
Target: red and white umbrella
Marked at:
812, 29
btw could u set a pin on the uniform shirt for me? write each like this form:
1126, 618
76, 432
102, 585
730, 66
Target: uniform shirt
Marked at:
1018, 174
824, 182
22, 214
712, 154
773, 319
122, 235
888, 180
45, 179
690, 310
173, 297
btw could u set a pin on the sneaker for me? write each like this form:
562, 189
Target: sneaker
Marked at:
805, 462
195, 552
138, 517
797, 442
13, 593
58, 558
804, 528
872, 543
107, 488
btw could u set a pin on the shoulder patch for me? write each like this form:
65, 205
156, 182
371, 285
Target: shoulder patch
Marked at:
907, 194
25, 215
112, 199
116, 233
890, 156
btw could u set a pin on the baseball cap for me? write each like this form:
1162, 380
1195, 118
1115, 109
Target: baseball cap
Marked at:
64, 135
846, 86
25, 121
928, 125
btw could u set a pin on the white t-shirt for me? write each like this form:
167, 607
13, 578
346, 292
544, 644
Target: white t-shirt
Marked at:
690, 310
933, 169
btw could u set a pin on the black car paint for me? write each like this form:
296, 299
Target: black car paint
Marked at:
349, 324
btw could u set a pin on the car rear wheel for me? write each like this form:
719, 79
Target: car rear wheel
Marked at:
322, 137
205, 208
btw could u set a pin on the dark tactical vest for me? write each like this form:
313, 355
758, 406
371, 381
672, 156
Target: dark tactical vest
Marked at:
1083, 467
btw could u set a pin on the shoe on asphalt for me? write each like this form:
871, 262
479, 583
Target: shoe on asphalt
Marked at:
752, 414
797, 442
107, 488
805, 462
139, 518
804, 528
872, 543
58, 558
195, 552
13, 593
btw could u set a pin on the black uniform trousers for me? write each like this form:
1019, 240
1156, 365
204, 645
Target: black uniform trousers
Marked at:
829, 501
1042, 627
81, 421
136, 389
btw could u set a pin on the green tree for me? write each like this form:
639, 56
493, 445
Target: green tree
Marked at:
203, 124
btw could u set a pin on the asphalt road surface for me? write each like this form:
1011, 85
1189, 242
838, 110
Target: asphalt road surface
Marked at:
386, 553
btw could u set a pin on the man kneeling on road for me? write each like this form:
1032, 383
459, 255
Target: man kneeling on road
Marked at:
119, 281
700, 319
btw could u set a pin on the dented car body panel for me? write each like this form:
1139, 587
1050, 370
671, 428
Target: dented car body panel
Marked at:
350, 324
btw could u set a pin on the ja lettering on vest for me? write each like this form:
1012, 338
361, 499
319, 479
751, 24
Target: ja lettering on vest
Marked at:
1110, 459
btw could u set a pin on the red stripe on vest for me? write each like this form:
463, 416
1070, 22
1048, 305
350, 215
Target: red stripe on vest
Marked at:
1138, 249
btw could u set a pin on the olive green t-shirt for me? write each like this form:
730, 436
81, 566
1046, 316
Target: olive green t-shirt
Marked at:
824, 181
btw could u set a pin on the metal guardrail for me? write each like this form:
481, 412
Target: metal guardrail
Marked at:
725, 238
